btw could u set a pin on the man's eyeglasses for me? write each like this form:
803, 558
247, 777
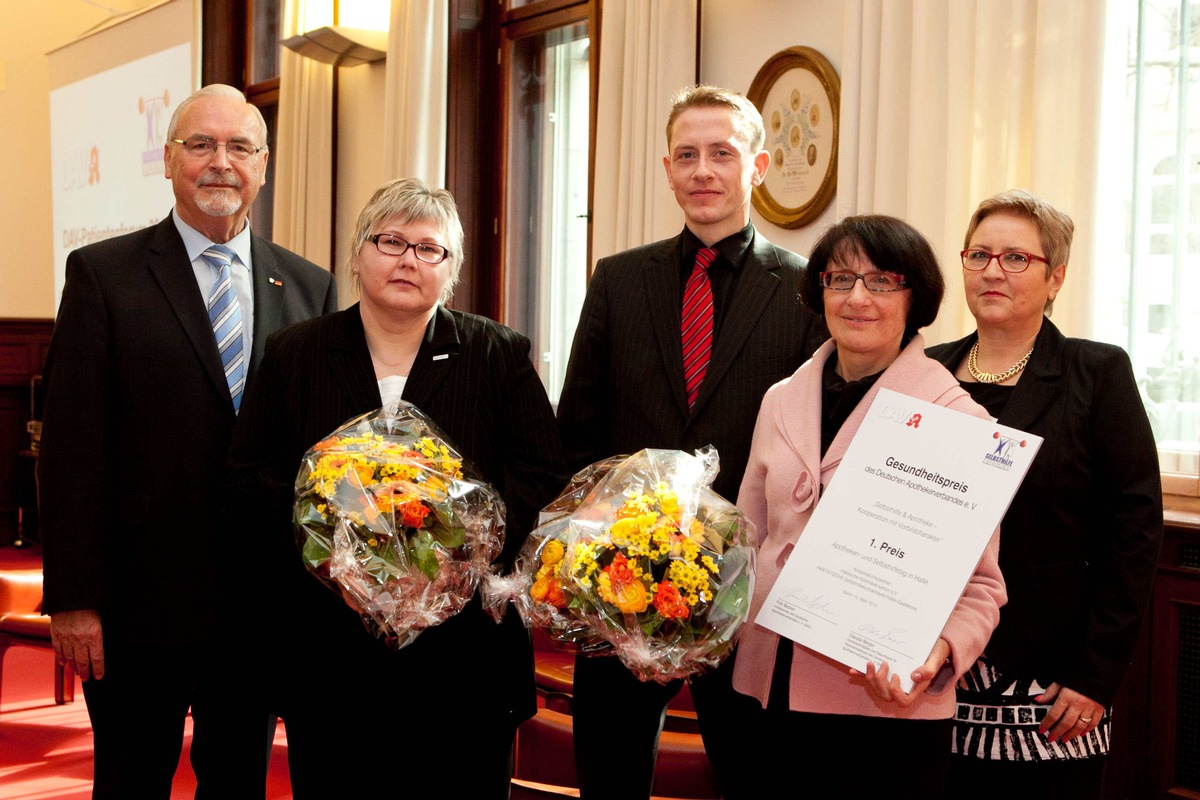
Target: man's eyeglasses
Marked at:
392, 245
1010, 261
200, 147
843, 280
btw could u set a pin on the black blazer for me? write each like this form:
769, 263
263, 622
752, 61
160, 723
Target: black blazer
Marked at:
137, 427
1079, 544
473, 377
624, 389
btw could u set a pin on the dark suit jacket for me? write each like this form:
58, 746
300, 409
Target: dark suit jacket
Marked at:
473, 377
137, 425
1079, 543
624, 389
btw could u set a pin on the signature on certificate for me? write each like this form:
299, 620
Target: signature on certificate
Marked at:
817, 604
894, 636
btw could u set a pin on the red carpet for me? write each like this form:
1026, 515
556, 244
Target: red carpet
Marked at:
46, 749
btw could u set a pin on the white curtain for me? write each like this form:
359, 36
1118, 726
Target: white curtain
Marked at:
946, 102
304, 138
648, 52
414, 106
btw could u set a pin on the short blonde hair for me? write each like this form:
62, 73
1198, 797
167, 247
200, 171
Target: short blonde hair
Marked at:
410, 200
1055, 228
746, 120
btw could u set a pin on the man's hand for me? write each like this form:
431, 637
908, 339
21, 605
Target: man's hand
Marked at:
78, 642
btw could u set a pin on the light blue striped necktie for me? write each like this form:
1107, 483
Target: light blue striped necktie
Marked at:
225, 314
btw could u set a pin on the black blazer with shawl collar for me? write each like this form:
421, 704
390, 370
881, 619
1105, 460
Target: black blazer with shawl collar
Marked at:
474, 379
1079, 544
625, 390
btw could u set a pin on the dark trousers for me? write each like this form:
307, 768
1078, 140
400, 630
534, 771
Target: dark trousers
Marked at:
138, 711
982, 779
617, 720
841, 755
397, 753
367, 721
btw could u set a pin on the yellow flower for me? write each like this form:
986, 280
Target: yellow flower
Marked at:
622, 529
366, 473
583, 562
668, 500
553, 552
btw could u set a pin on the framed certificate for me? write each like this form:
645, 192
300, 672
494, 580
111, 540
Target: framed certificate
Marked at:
798, 94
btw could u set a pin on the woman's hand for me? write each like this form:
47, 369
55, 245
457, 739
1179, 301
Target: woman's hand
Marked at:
887, 687
1072, 714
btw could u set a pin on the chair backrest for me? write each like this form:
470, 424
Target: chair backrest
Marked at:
20, 591
546, 755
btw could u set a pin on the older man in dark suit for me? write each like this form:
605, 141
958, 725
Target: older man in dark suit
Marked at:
157, 332
677, 342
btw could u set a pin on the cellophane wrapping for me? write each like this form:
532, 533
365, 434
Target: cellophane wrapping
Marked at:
386, 515
639, 555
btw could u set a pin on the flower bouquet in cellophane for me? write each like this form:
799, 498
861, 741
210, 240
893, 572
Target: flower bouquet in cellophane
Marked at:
641, 554
385, 516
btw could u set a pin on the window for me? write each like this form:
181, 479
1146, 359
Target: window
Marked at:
263, 19
547, 100
1148, 294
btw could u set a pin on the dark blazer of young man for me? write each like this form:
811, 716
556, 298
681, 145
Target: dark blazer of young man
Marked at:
625, 391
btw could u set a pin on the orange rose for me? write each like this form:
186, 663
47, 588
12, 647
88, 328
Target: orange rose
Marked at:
413, 513
669, 603
619, 571
554, 594
624, 589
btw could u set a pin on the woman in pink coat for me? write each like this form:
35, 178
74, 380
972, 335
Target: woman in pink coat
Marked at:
876, 281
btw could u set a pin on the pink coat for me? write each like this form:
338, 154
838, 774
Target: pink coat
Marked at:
779, 492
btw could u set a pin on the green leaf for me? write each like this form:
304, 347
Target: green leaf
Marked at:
307, 514
651, 624
422, 549
733, 596
317, 549
384, 562
449, 537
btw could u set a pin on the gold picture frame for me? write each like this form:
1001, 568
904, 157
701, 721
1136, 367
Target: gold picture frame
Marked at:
798, 93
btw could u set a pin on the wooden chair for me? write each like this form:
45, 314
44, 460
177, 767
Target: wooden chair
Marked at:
22, 623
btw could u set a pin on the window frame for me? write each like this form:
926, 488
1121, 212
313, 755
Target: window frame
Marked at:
516, 23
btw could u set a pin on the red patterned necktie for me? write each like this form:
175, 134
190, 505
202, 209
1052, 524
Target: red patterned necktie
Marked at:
697, 323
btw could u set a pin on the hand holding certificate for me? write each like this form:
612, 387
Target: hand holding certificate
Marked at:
897, 534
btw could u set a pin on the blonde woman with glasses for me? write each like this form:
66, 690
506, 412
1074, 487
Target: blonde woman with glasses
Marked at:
1081, 537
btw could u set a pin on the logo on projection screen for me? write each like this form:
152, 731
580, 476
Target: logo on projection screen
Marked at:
154, 110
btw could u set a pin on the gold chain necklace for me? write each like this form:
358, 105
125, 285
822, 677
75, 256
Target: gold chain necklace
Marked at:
994, 377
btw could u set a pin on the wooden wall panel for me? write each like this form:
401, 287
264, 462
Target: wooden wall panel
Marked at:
23, 344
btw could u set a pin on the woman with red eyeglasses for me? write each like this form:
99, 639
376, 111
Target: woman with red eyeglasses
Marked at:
1081, 537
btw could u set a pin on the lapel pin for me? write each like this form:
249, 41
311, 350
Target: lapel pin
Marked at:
275, 281
442, 357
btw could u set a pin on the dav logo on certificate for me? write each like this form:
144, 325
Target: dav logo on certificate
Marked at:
897, 534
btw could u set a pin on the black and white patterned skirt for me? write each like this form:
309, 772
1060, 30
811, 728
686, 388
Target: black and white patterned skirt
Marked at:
997, 719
